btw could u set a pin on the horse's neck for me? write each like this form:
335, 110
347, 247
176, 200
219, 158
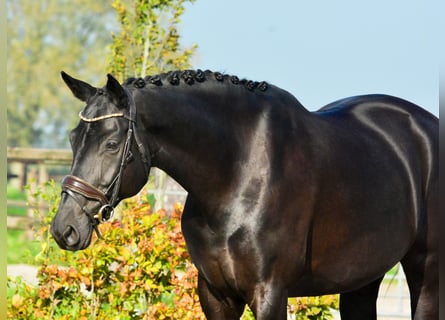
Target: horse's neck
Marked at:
201, 140
193, 140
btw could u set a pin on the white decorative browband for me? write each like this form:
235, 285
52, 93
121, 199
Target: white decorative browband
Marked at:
112, 115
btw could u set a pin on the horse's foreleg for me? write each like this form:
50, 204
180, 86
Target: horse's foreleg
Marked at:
361, 303
269, 303
215, 305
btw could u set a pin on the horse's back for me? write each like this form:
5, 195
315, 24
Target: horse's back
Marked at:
396, 126
412, 134
412, 131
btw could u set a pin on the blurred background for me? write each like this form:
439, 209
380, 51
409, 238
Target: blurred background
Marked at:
318, 51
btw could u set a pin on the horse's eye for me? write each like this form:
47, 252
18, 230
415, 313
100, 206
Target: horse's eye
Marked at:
112, 145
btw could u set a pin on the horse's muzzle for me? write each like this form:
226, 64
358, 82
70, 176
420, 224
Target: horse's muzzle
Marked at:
71, 234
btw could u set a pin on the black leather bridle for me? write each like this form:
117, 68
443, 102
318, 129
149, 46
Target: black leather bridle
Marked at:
74, 186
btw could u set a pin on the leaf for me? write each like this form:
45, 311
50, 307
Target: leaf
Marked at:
17, 301
125, 253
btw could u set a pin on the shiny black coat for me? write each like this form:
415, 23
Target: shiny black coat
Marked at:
282, 202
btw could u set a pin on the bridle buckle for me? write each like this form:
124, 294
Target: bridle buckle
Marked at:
105, 213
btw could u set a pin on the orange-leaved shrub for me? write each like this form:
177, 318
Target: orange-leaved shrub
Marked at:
140, 269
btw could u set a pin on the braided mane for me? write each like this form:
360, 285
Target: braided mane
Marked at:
191, 77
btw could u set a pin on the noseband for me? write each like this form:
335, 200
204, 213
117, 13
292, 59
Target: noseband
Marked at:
75, 186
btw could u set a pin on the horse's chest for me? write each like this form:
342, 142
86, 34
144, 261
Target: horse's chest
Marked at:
223, 260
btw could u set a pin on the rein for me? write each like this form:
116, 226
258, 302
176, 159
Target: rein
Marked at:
75, 186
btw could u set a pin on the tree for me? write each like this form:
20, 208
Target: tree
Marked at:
45, 37
148, 42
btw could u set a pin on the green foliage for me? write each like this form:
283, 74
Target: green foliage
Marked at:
45, 37
21, 250
307, 308
313, 308
148, 42
139, 270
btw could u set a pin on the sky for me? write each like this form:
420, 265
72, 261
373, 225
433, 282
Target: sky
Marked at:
322, 51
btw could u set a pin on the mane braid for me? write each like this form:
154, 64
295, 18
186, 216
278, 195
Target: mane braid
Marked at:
191, 77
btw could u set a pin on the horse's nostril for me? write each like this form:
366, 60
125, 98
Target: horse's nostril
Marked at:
71, 236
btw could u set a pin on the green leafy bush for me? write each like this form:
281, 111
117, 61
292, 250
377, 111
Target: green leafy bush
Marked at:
313, 308
139, 270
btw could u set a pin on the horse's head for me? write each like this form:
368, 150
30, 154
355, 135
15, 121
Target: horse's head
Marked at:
109, 162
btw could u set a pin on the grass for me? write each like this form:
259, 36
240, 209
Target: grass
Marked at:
20, 249
15, 194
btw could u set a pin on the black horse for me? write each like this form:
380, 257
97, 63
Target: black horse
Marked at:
281, 201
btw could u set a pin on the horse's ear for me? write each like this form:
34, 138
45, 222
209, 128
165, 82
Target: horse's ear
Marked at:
80, 89
116, 92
